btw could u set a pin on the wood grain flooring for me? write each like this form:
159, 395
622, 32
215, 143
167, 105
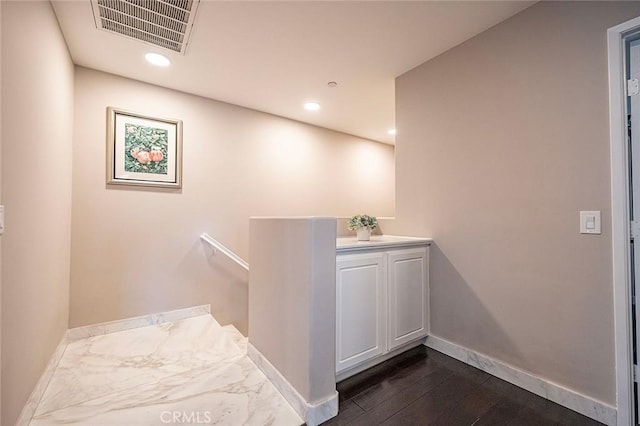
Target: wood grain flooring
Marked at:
425, 387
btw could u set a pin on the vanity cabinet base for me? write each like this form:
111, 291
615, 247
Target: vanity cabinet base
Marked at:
382, 305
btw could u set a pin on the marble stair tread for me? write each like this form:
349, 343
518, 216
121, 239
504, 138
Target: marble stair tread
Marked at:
101, 365
237, 337
229, 393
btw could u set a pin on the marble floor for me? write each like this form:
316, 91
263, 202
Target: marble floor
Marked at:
191, 371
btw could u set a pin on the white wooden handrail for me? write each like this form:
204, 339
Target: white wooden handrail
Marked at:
218, 246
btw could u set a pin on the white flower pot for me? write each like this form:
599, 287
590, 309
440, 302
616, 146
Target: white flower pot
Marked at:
364, 234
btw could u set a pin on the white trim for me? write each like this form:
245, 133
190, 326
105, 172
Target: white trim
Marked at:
345, 374
31, 405
135, 322
313, 414
571, 399
620, 220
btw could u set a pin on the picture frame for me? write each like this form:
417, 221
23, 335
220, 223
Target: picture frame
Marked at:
143, 150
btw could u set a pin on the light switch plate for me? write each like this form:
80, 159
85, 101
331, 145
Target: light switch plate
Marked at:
590, 222
1, 220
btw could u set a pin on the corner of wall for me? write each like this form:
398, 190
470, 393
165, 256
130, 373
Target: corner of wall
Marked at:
37, 100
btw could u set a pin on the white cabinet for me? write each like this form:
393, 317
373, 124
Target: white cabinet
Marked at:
382, 301
360, 303
408, 296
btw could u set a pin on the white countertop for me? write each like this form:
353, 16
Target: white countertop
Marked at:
348, 244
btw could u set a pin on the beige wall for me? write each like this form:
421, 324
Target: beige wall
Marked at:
0, 203
137, 251
293, 264
501, 142
37, 114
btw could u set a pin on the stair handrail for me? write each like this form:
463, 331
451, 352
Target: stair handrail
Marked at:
217, 245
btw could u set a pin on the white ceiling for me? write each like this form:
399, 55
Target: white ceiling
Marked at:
274, 56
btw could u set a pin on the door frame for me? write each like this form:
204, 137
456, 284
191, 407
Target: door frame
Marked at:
620, 232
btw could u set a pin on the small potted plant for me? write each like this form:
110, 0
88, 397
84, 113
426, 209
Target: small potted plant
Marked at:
363, 224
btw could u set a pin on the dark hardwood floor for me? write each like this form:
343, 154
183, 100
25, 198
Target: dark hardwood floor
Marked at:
425, 387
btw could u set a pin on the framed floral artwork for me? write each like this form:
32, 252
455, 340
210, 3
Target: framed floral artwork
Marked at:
143, 150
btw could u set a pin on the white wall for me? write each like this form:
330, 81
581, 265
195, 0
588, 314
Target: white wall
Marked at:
37, 117
502, 141
136, 251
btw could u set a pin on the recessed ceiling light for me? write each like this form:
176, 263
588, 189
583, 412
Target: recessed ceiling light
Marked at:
312, 106
157, 59
392, 131
332, 84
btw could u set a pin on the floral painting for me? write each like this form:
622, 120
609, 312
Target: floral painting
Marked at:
143, 150
146, 149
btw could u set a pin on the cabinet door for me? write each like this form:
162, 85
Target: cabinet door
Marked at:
360, 308
408, 295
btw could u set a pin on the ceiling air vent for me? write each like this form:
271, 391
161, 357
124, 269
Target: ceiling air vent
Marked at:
163, 23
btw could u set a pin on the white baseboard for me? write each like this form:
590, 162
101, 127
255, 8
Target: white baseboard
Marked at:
29, 408
571, 399
312, 414
344, 374
135, 322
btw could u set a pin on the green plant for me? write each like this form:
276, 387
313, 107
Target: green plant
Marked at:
363, 221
